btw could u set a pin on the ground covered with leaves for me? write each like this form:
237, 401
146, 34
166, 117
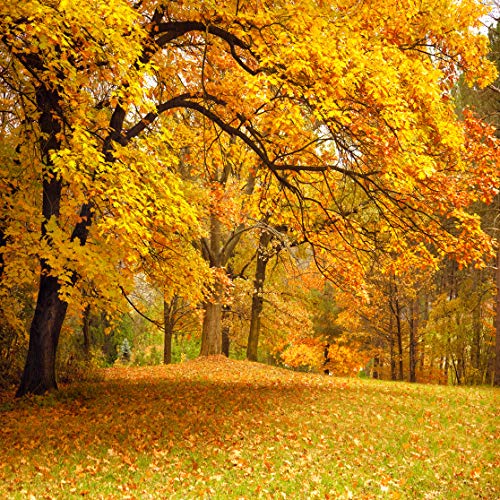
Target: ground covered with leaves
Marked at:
218, 428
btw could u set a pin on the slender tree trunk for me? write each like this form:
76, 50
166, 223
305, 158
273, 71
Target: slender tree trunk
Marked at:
257, 295
399, 336
3, 242
496, 376
86, 332
476, 336
218, 250
413, 341
253, 336
226, 342
376, 367
392, 358
168, 328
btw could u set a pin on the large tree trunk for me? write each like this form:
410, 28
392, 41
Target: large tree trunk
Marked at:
39, 374
257, 295
50, 311
39, 371
211, 337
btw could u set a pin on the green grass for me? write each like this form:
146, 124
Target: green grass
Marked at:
218, 428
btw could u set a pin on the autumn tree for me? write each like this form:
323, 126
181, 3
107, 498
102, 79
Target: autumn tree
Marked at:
323, 96
485, 103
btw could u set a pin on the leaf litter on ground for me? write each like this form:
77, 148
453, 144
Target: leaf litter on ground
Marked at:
219, 428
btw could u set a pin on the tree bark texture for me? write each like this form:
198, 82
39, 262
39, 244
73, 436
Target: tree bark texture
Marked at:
257, 295
50, 311
39, 374
211, 336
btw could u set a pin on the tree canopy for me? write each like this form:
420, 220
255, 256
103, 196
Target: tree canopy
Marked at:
345, 108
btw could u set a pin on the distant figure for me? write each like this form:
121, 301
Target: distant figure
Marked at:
326, 370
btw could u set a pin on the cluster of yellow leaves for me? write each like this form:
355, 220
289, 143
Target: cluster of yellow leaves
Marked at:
346, 358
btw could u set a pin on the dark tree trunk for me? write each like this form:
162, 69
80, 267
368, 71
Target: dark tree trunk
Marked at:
3, 242
376, 367
413, 341
393, 358
396, 312
86, 332
257, 295
477, 331
391, 348
169, 311
399, 335
50, 311
39, 374
226, 342
211, 334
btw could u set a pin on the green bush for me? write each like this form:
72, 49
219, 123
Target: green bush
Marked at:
185, 347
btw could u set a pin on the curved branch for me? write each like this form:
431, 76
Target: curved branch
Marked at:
158, 325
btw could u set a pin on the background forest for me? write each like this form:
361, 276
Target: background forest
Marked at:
313, 186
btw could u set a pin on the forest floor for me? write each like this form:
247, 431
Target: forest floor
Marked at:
222, 429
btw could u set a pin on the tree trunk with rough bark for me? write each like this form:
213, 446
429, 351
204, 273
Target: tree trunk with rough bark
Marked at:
50, 311
39, 374
211, 335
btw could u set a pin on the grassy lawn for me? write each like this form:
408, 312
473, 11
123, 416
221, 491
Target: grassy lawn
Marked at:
218, 428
